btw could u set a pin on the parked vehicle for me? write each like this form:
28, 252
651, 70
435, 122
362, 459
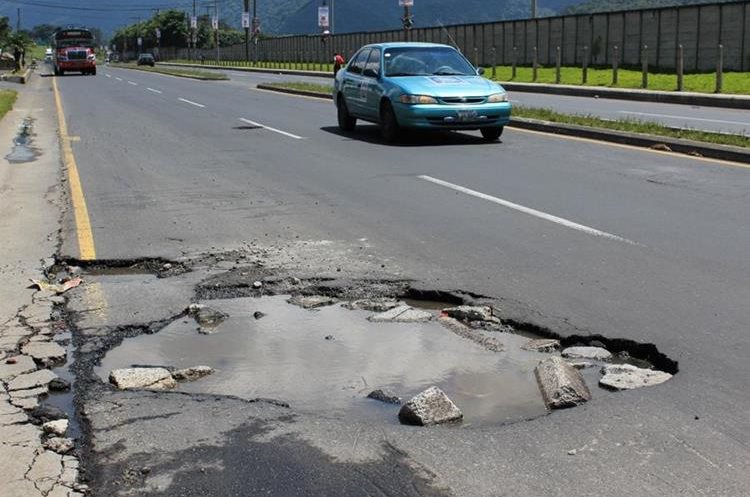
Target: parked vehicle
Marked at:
418, 85
146, 59
48, 55
73, 50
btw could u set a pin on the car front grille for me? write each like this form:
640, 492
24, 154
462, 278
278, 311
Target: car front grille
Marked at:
77, 55
463, 100
439, 121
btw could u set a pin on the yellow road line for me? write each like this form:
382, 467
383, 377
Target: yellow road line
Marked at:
81, 214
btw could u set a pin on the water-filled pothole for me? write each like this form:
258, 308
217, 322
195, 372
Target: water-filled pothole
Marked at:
327, 360
23, 151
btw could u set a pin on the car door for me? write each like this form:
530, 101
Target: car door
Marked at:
371, 88
352, 83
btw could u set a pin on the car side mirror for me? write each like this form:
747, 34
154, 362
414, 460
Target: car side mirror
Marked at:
371, 73
480, 71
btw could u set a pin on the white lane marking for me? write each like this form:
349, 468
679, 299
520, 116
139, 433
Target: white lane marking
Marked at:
253, 123
155, 91
132, 83
118, 79
191, 102
668, 116
109, 76
527, 210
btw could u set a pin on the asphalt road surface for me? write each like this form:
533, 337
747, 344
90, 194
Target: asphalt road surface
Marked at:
714, 119
578, 236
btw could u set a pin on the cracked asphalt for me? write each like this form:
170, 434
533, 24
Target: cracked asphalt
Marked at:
186, 208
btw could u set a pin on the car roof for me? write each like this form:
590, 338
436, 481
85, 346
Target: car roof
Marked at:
402, 44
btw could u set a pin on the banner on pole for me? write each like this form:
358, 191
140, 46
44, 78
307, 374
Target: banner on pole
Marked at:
323, 17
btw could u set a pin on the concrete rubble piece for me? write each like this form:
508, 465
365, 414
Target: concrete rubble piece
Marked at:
192, 373
561, 384
628, 377
142, 379
593, 353
312, 302
542, 345
430, 407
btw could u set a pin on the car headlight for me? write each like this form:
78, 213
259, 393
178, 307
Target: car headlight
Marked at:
417, 99
497, 98
92, 57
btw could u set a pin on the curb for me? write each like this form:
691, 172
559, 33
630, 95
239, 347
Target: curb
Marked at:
665, 97
291, 72
198, 78
677, 145
18, 78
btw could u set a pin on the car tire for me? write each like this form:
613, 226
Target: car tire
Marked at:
57, 71
346, 121
389, 128
491, 134
93, 72
61, 72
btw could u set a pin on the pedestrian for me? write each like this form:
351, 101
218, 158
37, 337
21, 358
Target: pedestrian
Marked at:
338, 62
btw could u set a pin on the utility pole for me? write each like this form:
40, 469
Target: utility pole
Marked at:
216, 13
332, 11
246, 25
256, 31
18, 20
533, 9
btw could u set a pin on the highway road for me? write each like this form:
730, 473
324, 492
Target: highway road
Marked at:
714, 119
574, 235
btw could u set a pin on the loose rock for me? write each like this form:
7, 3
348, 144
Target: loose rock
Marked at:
142, 378
384, 396
312, 302
593, 353
430, 407
258, 314
581, 364
541, 345
59, 445
59, 385
627, 377
57, 427
471, 313
460, 329
401, 314
561, 384
257, 284
192, 373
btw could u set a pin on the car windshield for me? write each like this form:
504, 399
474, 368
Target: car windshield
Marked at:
425, 61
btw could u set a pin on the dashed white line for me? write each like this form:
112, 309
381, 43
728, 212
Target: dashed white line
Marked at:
527, 210
108, 75
118, 79
155, 91
191, 102
132, 83
253, 123
668, 116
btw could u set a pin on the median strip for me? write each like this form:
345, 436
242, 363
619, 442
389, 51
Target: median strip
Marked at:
180, 73
734, 148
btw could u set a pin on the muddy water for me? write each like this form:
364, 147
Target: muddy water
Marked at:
286, 356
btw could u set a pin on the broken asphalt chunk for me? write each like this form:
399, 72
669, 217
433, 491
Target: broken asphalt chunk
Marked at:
142, 379
401, 314
192, 373
627, 377
471, 313
379, 304
39, 378
561, 384
312, 302
542, 345
593, 353
430, 407
206, 316
384, 396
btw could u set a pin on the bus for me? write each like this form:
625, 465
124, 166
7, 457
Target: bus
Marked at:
73, 50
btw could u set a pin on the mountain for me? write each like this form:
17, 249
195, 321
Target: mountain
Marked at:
300, 16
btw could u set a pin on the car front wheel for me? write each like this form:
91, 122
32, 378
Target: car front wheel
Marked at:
491, 134
346, 121
389, 127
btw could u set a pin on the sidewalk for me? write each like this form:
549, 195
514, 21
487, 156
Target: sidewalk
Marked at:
31, 203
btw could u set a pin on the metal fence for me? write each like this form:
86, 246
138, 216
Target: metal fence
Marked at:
595, 39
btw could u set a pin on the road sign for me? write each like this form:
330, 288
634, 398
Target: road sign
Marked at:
140, 41
246, 19
406, 3
323, 19
214, 23
193, 22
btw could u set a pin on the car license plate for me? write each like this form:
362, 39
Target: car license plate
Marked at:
467, 115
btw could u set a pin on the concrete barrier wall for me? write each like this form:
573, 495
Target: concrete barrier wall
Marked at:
698, 28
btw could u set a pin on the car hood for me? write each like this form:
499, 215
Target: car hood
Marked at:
447, 86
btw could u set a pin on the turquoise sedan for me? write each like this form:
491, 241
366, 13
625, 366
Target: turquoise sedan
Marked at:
418, 85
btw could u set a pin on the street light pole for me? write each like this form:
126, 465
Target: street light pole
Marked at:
533, 9
216, 13
245, 14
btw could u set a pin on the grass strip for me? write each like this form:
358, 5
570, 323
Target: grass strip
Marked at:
7, 99
290, 66
182, 73
541, 114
